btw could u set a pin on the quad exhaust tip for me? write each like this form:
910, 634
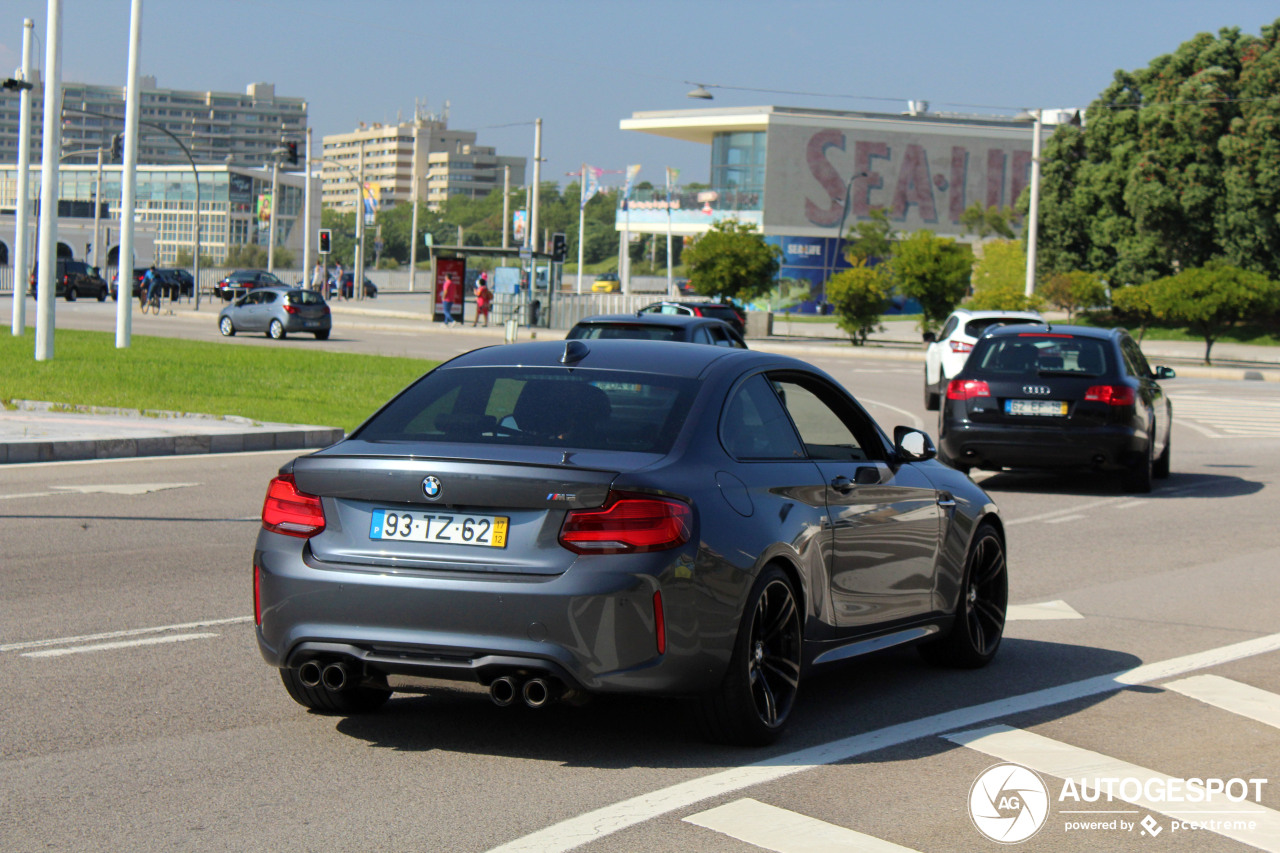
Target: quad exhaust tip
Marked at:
336, 676
310, 674
536, 692
503, 691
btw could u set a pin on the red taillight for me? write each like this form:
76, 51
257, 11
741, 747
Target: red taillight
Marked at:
659, 623
967, 389
961, 346
291, 512
628, 523
257, 594
1112, 395
290, 309
326, 309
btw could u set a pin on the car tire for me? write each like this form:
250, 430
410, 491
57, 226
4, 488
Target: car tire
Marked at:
353, 700
932, 399
102, 295
226, 327
1160, 470
753, 703
975, 634
322, 336
1138, 478
71, 293
276, 330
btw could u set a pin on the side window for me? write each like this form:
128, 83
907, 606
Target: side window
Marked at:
829, 427
950, 327
754, 426
701, 336
1134, 359
268, 298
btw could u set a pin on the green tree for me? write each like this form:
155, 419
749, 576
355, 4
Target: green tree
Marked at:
935, 271
1211, 300
859, 296
252, 256
1132, 306
872, 238
732, 259
1000, 278
1074, 291
1176, 166
981, 221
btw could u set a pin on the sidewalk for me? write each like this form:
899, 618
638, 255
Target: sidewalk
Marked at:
36, 431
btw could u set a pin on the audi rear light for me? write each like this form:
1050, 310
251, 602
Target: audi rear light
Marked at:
1112, 395
628, 523
961, 346
967, 389
291, 512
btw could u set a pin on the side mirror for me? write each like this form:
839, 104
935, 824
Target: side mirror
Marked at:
1165, 373
929, 337
912, 445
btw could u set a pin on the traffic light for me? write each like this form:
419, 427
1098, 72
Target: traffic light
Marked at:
559, 248
117, 148
324, 241
292, 148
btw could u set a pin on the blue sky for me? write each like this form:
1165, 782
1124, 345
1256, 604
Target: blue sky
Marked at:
583, 66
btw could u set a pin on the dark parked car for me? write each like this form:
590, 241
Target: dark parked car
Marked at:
73, 279
239, 281
348, 290
277, 311
557, 519
726, 311
657, 327
138, 274
1058, 397
178, 282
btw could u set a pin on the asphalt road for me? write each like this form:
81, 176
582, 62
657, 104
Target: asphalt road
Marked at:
138, 714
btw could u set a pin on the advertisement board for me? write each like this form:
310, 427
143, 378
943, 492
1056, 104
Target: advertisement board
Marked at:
445, 267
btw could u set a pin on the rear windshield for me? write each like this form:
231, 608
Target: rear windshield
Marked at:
634, 331
305, 297
543, 407
975, 328
719, 312
1040, 355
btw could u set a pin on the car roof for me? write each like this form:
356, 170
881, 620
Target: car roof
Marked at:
668, 320
986, 315
668, 358
1054, 329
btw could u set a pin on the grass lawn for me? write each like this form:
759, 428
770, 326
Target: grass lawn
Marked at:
1244, 334
300, 386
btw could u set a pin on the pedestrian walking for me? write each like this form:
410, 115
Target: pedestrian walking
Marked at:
318, 277
338, 291
448, 296
484, 299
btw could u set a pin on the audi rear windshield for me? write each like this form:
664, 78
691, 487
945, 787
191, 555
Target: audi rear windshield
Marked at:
542, 407
1030, 354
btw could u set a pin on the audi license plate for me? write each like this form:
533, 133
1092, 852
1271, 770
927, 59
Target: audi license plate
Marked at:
489, 531
1050, 408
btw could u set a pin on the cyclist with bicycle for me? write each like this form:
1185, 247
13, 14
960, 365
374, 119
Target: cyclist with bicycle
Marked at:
151, 290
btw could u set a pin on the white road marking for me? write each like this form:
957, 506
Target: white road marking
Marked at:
112, 635
1074, 511
1054, 758
786, 831
122, 644
1060, 519
1230, 417
599, 823
916, 422
1234, 696
26, 495
151, 460
1041, 612
122, 488
1129, 504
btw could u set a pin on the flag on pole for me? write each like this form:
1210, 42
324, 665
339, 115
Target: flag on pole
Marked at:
672, 176
590, 182
632, 171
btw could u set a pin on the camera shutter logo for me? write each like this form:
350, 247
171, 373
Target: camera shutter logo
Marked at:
431, 487
1008, 803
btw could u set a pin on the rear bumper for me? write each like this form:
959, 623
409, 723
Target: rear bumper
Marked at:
1108, 447
592, 628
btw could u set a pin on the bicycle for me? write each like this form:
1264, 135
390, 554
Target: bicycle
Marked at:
153, 303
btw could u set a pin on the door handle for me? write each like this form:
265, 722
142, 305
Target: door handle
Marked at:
842, 484
946, 500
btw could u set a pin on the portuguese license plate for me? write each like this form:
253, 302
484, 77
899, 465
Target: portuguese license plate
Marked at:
1049, 408
489, 531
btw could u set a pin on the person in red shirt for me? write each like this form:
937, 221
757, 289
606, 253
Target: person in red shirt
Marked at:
484, 299
448, 296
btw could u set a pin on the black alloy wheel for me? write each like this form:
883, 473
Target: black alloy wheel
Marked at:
978, 628
753, 703
71, 293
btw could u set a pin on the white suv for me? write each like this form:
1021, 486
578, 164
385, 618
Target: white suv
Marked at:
949, 350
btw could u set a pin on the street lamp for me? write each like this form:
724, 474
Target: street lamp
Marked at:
844, 213
700, 93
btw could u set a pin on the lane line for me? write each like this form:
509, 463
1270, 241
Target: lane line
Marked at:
1060, 519
1041, 612
113, 635
1065, 761
1234, 696
1057, 512
916, 422
122, 644
115, 460
786, 831
599, 823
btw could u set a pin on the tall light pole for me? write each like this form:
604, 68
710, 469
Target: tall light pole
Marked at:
1033, 211
506, 207
48, 249
357, 274
128, 183
306, 212
844, 213
414, 200
20, 259
271, 223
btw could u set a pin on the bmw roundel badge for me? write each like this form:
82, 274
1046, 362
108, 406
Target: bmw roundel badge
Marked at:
431, 487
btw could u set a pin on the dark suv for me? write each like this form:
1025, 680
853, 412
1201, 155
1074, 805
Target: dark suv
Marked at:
716, 310
138, 274
240, 281
74, 279
1050, 396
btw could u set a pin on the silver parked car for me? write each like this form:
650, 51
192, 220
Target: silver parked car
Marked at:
277, 311
559, 519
